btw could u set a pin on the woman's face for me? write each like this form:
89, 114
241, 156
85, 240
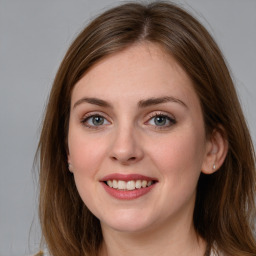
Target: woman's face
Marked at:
136, 140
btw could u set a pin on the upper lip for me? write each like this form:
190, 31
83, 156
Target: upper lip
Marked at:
127, 177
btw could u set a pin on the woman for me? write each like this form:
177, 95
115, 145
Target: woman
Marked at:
144, 148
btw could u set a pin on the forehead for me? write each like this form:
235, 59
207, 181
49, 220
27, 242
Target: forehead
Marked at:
142, 70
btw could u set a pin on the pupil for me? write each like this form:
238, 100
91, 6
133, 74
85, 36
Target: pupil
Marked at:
160, 120
97, 120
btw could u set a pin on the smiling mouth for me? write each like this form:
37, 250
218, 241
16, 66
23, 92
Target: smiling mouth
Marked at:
129, 185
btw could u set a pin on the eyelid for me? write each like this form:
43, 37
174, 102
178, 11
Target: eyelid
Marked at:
159, 113
93, 114
170, 117
149, 117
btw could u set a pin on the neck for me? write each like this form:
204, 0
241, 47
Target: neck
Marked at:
163, 240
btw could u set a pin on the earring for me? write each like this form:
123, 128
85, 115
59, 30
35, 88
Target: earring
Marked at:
70, 167
214, 167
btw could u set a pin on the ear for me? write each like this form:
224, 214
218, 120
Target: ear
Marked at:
216, 151
70, 167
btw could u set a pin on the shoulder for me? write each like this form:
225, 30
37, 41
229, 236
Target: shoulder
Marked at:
216, 252
41, 253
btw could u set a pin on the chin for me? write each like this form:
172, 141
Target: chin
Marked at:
126, 227
127, 222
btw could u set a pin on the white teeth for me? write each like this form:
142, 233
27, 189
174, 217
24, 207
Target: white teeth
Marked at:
144, 183
138, 184
121, 184
149, 183
110, 183
129, 185
115, 184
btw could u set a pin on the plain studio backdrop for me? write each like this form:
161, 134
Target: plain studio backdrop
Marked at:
34, 36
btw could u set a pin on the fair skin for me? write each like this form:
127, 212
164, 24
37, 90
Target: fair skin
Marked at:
135, 116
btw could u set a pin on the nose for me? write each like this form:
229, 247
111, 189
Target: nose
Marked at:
126, 147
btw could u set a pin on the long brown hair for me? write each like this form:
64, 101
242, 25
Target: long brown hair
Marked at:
225, 206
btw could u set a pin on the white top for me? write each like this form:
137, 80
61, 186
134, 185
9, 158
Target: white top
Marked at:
213, 253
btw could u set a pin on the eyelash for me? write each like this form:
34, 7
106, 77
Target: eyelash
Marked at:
85, 120
171, 121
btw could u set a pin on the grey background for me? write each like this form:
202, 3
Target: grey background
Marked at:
34, 36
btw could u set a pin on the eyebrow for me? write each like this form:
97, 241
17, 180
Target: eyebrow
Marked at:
141, 104
155, 101
94, 101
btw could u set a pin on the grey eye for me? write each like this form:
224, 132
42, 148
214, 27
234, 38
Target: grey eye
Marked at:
160, 120
95, 121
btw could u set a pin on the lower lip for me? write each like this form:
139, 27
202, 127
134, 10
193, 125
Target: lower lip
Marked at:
127, 194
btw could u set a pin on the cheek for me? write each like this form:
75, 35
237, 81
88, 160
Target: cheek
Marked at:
85, 152
180, 157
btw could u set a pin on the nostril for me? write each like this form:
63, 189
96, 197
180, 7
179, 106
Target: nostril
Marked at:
124, 160
127, 159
